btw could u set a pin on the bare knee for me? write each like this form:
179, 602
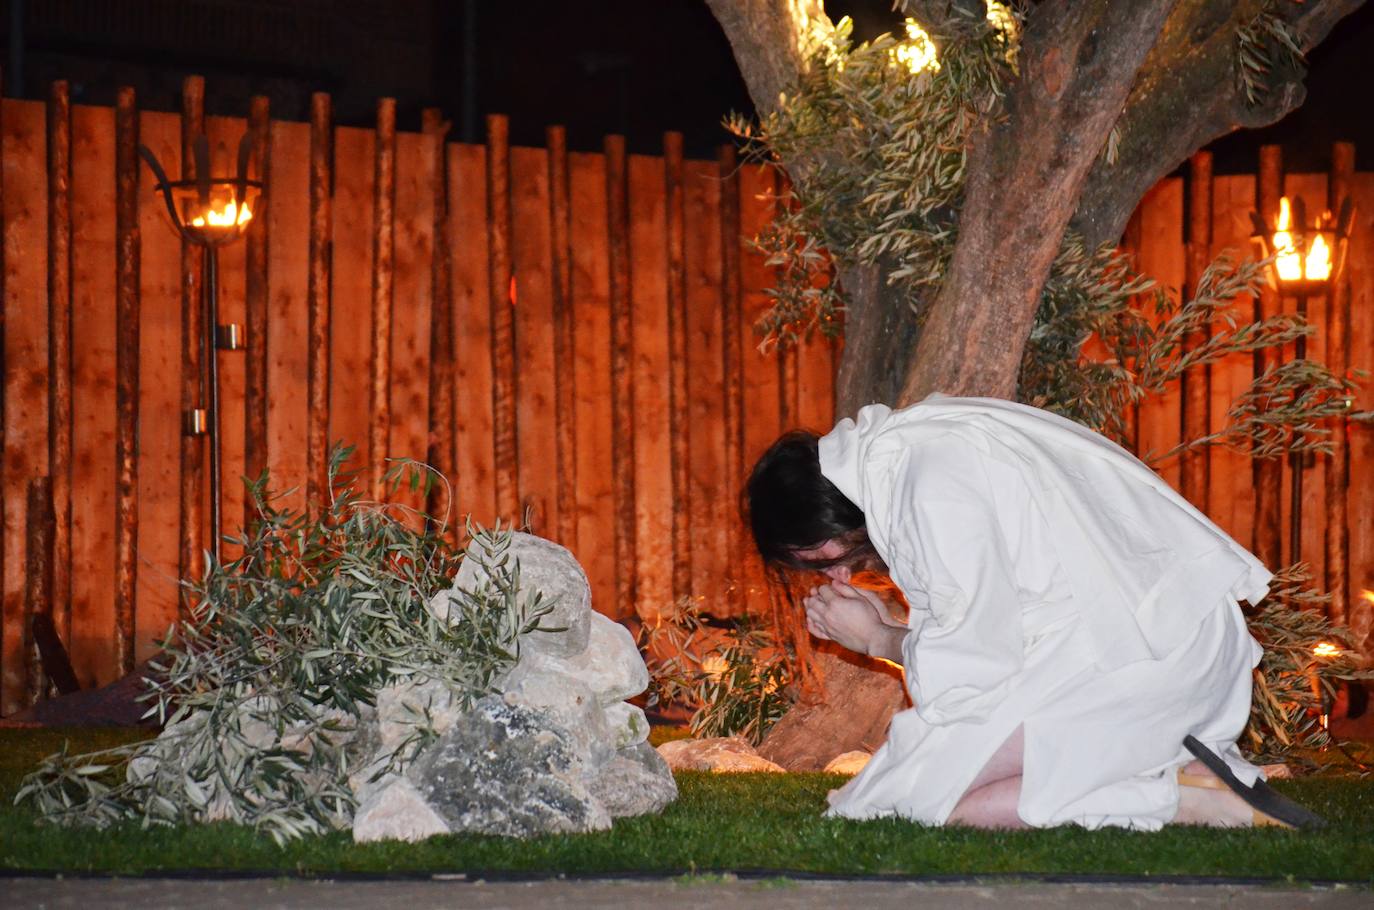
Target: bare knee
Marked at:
992, 806
1006, 762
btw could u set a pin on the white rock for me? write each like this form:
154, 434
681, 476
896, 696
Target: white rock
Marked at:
545, 567
510, 770
730, 754
848, 762
402, 708
627, 723
573, 706
610, 666
636, 781
557, 750
395, 810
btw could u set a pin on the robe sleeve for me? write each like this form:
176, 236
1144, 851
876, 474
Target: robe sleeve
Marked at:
944, 523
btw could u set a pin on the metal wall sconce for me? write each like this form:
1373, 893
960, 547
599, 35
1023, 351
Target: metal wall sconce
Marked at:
1305, 260
211, 212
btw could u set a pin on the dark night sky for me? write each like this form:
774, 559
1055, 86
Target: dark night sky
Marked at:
641, 68
637, 67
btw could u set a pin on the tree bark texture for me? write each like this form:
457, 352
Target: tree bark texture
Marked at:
771, 41
1026, 170
882, 332
1186, 96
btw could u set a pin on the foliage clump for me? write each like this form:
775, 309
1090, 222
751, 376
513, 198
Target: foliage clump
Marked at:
1306, 657
1106, 338
267, 691
735, 675
875, 141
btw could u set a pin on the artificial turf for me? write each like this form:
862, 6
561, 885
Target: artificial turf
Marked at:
765, 823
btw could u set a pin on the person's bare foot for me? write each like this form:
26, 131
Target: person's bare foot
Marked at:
1211, 803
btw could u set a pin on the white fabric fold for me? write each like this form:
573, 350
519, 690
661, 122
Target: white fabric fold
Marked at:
1056, 583
1143, 563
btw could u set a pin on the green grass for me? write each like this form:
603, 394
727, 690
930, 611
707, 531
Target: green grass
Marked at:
755, 823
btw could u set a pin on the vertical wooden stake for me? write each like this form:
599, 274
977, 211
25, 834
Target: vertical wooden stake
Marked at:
383, 283
442, 410
40, 532
789, 390
193, 328
256, 290
4, 268
60, 350
318, 300
128, 247
1130, 420
1195, 406
501, 296
1267, 543
732, 349
679, 423
622, 376
564, 335
1340, 186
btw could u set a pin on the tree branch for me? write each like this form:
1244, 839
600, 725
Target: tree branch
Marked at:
772, 41
1026, 172
1187, 96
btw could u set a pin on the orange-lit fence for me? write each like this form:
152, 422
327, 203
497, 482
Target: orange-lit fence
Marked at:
565, 334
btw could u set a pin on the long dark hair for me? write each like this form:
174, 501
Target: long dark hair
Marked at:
792, 506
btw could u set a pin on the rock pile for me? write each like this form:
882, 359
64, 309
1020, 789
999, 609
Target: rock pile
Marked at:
557, 750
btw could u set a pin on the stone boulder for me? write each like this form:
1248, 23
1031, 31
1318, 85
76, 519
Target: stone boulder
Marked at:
556, 750
545, 567
729, 754
508, 769
850, 763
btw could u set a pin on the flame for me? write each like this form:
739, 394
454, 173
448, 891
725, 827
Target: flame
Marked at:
230, 216
1318, 266
1288, 262
1325, 649
1367, 595
917, 53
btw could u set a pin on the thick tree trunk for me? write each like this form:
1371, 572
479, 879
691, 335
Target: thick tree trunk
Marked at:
1160, 71
879, 342
1186, 97
1025, 173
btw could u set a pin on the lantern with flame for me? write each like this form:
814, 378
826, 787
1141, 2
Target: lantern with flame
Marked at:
210, 212
1304, 260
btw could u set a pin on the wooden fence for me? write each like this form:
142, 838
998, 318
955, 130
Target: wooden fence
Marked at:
1179, 227
579, 350
567, 335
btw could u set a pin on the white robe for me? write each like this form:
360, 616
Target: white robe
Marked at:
1055, 583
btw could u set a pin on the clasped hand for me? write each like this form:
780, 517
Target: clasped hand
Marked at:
855, 619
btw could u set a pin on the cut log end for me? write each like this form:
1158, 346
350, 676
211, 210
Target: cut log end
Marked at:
855, 704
